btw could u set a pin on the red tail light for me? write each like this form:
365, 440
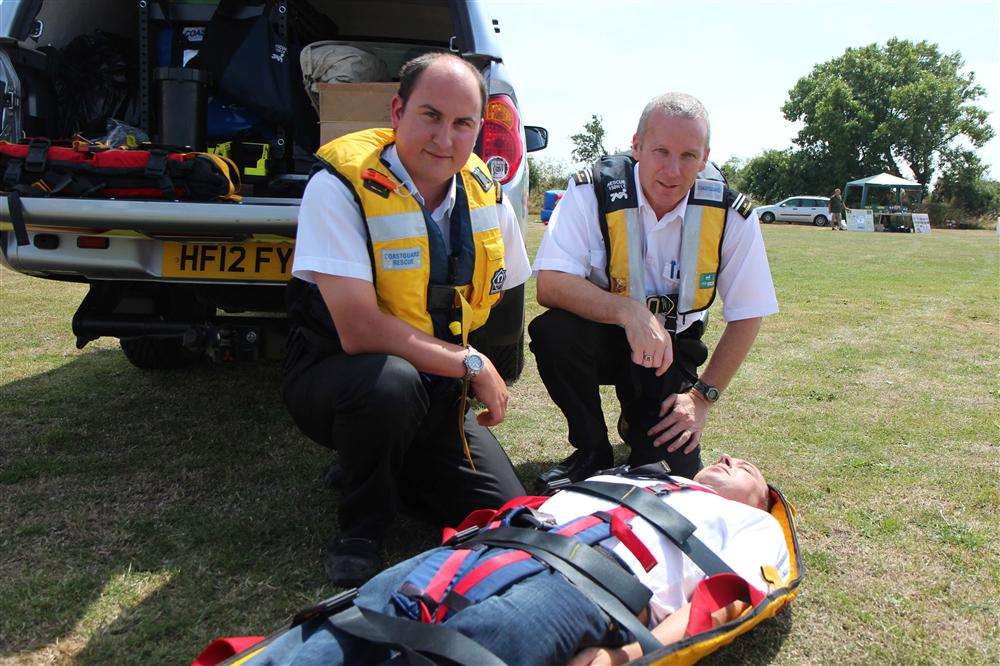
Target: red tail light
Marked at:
503, 149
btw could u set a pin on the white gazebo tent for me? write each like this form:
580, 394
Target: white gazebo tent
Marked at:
883, 181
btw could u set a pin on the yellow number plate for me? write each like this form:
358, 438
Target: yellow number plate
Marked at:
228, 261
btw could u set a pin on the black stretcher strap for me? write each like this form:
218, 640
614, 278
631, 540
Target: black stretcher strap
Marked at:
610, 576
572, 570
413, 638
665, 519
16, 209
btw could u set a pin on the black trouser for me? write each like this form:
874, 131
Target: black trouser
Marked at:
576, 356
397, 436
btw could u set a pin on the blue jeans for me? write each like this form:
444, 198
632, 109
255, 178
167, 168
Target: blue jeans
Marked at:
541, 620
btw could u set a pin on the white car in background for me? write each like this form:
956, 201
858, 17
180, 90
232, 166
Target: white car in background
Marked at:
801, 208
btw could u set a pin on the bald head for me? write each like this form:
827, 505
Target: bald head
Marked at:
412, 70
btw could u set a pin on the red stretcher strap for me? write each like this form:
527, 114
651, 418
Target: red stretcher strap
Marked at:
482, 517
624, 533
223, 648
472, 578
439, 583
717, 592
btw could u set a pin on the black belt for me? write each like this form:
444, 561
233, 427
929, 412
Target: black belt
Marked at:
667, 520
611, 588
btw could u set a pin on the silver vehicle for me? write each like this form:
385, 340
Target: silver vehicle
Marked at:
803, 208
169, 317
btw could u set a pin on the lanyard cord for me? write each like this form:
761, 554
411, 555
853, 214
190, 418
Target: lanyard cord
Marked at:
463, 403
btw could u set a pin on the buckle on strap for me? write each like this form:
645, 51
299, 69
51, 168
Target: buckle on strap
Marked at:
157, 164
37, 155
664, 305
440, 297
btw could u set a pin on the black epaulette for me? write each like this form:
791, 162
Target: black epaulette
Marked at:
583, 177
742, 204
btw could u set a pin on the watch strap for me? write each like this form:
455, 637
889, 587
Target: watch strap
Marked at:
709, 392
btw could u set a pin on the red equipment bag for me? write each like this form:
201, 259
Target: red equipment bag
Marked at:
37, 168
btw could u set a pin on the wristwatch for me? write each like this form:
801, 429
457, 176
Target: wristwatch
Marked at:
473, 363
707, 391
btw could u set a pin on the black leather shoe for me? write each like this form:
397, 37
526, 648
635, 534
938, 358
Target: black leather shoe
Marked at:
350, 562
579, 466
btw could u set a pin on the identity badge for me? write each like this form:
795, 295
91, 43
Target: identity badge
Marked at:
708, 190
403, 259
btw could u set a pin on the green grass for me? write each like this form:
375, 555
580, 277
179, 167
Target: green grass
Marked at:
142, 514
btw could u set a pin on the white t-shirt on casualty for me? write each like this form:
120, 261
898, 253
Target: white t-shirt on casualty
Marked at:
573, 244
745, 537
331, 236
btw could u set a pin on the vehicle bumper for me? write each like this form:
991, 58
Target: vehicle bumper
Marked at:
137, 232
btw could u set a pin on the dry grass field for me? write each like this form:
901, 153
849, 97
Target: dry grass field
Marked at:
143, 513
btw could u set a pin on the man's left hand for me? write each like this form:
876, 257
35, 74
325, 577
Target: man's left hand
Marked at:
685, 419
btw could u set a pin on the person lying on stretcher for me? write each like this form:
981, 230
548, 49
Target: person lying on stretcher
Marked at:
524, 609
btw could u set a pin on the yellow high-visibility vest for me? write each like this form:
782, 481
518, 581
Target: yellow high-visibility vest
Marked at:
704, 226
399, 247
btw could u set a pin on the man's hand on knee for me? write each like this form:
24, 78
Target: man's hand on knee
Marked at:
683, 418
490, 388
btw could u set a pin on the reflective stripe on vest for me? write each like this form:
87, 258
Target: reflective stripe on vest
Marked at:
398, 241
701, 235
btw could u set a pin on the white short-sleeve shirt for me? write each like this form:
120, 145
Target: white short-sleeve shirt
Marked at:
573, 244
744, 537
331, 236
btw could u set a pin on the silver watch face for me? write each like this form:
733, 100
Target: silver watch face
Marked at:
474, 362
712, 393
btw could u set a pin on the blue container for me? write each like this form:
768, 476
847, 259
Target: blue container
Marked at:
549, 202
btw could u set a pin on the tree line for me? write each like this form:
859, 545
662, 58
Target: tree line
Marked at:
875, 108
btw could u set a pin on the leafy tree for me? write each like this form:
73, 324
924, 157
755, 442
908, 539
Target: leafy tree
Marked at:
961, 183
776, 174
546, 174
879, 105
588, 145
733, 171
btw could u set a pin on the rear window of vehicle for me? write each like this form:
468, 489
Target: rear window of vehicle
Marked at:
417, 22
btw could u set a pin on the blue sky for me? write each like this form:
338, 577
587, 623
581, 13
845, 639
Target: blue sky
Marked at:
570, 59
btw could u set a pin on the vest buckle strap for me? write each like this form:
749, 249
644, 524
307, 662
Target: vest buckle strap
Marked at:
664, 305
440, 297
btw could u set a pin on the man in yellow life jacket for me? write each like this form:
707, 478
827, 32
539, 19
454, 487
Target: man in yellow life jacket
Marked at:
632, 258
404, 243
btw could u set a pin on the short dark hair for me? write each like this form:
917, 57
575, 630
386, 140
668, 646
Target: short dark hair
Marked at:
409, 75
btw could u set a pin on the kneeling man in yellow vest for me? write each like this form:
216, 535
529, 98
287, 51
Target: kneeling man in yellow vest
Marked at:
404, 244
632, 258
